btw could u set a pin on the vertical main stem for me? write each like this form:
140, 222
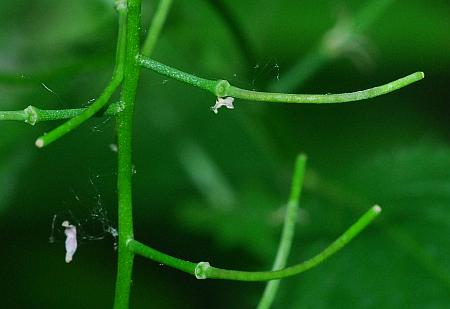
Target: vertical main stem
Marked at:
125, 167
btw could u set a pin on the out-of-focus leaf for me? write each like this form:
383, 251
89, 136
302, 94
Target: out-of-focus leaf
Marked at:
12, 163
250, 224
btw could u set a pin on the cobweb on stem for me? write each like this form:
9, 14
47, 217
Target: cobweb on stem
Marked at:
95, 225
266, 71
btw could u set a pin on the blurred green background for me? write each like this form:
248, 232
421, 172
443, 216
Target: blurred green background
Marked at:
213, 187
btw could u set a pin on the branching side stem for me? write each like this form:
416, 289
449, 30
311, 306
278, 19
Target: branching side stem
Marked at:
155, 255
222, 88
204, 270
338, 244
33, 115
103, 99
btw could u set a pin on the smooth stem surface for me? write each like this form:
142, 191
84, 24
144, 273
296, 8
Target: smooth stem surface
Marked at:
325, 98
156, 26
158, 67
165, 259
204, 270
33, 115
124, 173
287, 235
115, 82
222, 88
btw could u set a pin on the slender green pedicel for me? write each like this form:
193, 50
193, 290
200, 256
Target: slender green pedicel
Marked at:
222, 88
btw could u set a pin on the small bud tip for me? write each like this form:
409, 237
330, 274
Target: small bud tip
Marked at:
39, 143
376, 209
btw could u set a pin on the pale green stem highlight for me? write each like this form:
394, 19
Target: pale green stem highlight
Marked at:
103, 99
287, 235
156, 26
222, 88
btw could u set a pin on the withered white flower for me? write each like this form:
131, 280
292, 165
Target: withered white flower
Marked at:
227, 102
71, 240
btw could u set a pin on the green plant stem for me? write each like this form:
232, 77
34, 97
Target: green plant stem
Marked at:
324, 52
326, 98
222, 88
33, 115
155, 255
287, 235
156, 26
206, 271
158, 67
103, 99
73, 123
203, 270
125, 166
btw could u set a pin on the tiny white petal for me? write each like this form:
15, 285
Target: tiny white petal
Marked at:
227, 102
71, 240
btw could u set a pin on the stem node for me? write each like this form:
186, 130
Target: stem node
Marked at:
32, 113
201, 270
222, 88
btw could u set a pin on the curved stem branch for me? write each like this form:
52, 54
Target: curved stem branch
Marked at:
287, 235
222, 88
155, 255
204, 270
73, 123
103, 99
326, 98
